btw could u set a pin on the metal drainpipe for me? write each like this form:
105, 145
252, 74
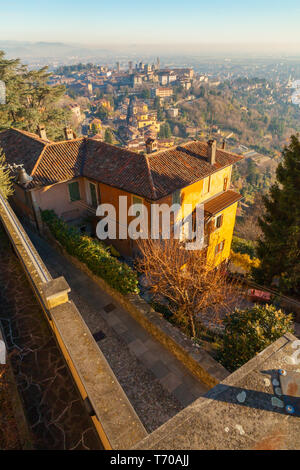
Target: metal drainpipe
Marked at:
37, 213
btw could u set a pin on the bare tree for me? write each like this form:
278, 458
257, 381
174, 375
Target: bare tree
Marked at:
194, 289
248, 228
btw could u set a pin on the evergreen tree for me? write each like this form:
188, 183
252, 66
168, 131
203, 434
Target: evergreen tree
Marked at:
108, 136
279, 248
146, 94
165, 131
5, 179
30, 100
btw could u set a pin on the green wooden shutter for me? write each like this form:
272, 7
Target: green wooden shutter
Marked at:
137, 200
93, 195
176, 199
74, 191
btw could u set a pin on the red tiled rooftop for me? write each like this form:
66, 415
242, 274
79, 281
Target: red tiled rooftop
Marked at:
152, 176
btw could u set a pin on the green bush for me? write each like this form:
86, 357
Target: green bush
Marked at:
93, 253
248, 332
240, 245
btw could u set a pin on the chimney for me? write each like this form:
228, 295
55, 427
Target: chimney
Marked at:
69, 133
151, 145
224, 144
211, 151
41, 130
23, 178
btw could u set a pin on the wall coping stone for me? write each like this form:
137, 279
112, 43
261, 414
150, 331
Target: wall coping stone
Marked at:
114, 411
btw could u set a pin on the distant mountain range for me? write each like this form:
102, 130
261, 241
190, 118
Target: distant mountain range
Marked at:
56, 53
54, 50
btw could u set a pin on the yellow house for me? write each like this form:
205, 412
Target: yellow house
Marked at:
140, 107
147, 120
192, 173
73, 177
220, 205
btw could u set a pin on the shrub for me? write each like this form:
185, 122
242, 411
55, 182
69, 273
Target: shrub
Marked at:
240, 245
93, 253
244, 261
248, 332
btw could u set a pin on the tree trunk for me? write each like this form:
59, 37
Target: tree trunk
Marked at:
192, 324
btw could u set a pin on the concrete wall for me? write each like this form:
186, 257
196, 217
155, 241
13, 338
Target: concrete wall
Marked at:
57, 198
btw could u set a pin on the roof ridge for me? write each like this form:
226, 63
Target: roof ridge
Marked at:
174, 147
116, 147
34, 169
150, 177
67, 141
31, 135
185, 144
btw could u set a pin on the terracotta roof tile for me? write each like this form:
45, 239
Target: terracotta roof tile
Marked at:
118, 167
152, 176
180, 166
22, 147
60, 161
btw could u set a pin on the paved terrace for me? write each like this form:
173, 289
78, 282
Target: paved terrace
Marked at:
56, 415
246, 411
156, 383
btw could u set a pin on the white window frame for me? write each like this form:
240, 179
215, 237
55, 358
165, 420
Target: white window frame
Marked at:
88, 192
208, 178
215, 221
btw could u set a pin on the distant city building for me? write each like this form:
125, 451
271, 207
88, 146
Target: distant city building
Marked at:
173, 112
75, 110
162, 92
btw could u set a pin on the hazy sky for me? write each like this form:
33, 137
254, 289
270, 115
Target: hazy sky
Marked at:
151, 22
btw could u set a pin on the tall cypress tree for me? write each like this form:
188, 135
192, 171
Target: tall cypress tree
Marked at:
279, 248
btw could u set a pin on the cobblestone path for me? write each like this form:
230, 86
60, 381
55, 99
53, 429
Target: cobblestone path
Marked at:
55, 412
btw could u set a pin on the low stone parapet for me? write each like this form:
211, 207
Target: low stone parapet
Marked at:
114, 418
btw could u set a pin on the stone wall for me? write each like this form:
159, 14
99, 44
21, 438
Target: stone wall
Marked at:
111, 412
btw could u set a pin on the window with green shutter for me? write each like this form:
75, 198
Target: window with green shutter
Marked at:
74, 191
93, 193
176, 197
137, 200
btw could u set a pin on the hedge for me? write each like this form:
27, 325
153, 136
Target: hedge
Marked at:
93, 253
